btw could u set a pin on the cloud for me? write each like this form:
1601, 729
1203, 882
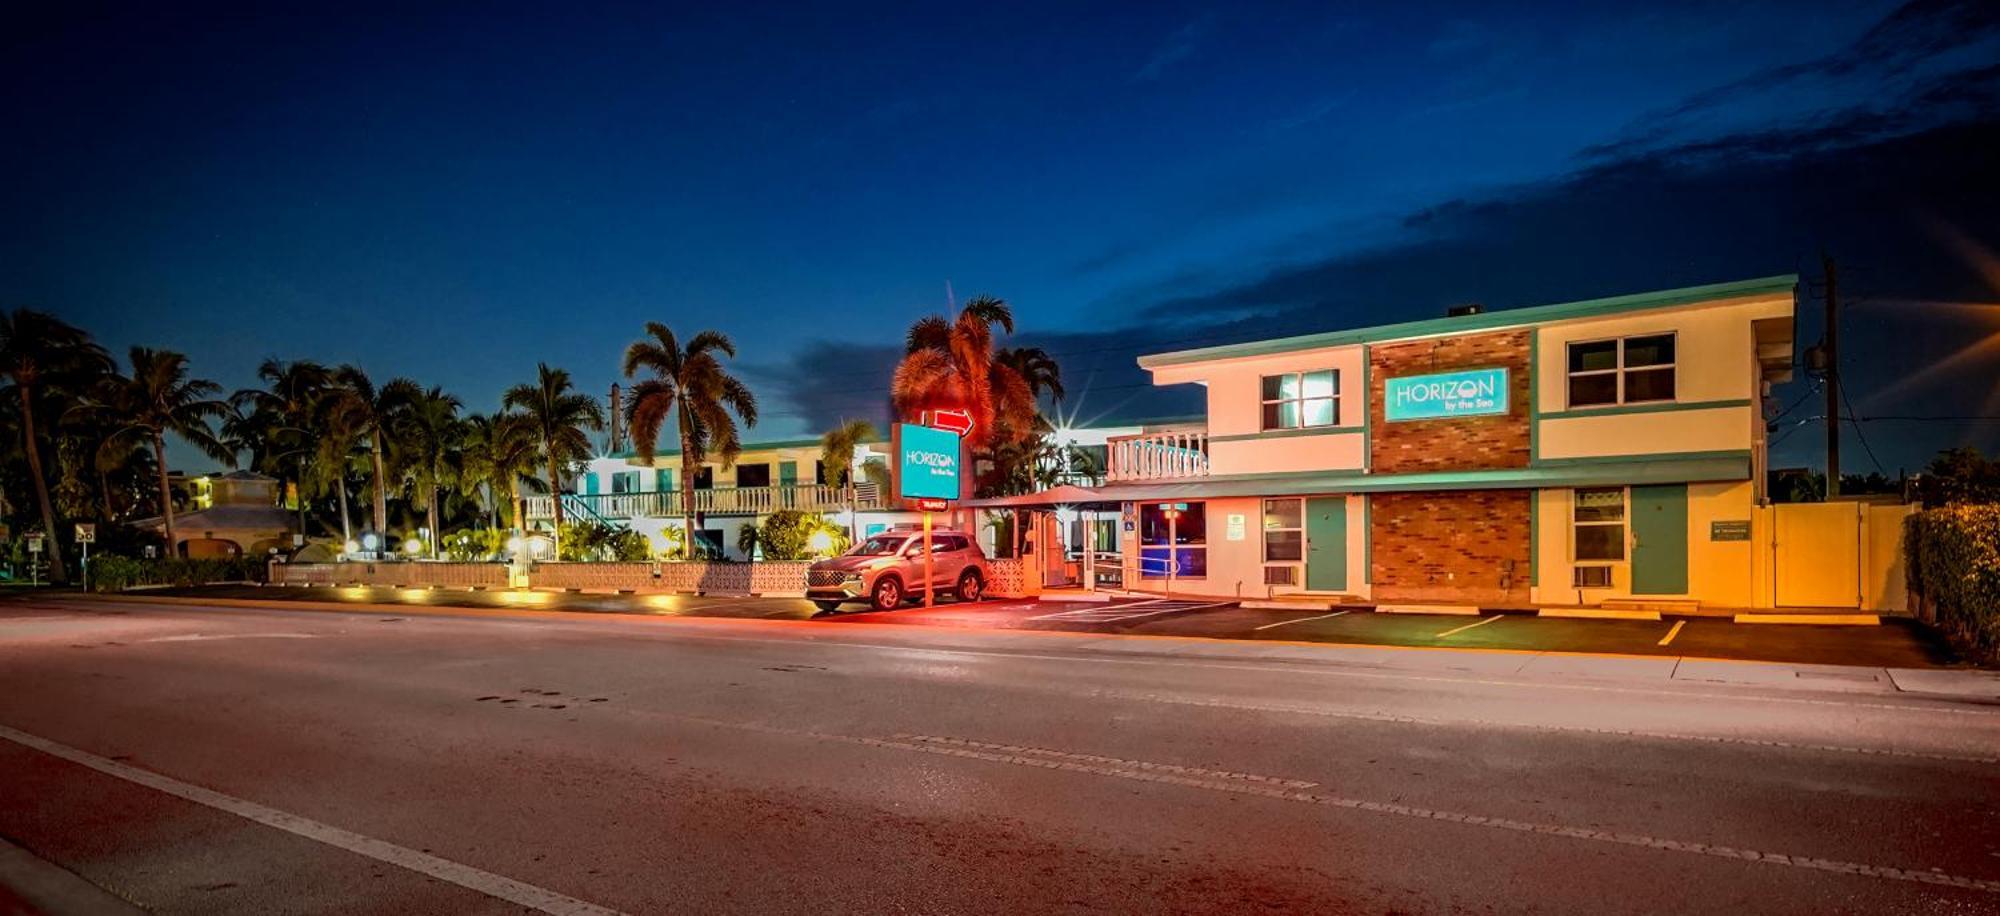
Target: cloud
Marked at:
1178, 46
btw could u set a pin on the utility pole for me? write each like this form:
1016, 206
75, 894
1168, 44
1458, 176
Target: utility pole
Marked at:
1832, 378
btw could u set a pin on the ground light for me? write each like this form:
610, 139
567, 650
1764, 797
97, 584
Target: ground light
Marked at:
820, 542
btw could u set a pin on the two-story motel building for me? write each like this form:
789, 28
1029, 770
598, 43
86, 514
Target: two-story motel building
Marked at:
1563, 454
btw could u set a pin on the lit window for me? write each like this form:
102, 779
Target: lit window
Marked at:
1180, 543
1599, 524
1631, 370
1299, 400
1284, 535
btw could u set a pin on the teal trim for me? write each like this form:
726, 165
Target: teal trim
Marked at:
1663, 407
1326, 544
1660, 539
1289, 433
1743, 454
1619, 471
1589, 308
1367, 539
1534, 396
589, 484
1534, 538
1367, 414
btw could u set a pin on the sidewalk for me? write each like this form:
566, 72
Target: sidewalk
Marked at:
1456, 661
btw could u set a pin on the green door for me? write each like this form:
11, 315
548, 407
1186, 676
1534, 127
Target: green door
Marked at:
1660, 540
1326, 544
788, 473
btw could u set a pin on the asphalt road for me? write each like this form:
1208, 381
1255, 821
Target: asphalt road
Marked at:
250, 761
1894, 644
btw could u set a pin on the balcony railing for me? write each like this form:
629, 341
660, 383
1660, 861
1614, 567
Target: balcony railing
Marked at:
1160, 455
714, 501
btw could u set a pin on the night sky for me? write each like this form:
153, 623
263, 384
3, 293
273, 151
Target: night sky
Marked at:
457, 194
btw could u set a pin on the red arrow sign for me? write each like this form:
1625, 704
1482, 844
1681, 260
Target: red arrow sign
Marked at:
952, 421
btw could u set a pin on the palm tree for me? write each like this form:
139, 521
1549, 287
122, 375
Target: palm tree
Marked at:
39, 351
691, 385
950, 364
428, 431
558, 415
499, 454
279, 424
1036, 367
159, 398
334, 455
356, 404
836, 458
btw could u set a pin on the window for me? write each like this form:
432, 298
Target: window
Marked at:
1599, 523
625, 482
1630, 370
704, 478
1297, 400
1284, 534
753, 475
1187, 554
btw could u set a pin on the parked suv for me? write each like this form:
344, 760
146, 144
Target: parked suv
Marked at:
888, 569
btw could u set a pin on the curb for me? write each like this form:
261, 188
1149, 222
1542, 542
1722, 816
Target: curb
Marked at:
46, 887
1824, 620
1597, 614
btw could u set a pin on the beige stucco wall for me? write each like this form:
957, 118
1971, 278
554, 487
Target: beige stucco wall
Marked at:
1666, 432
1235, 408
1720, 573
1285, 454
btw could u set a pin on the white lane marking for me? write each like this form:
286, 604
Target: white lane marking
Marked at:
1134, 770
1113, 761
204, 637
1481, 623
1286, 623
485, 882
1686, 689
1676, 631
1118, 612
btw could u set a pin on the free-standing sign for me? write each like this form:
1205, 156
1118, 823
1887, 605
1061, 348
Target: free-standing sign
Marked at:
927, 462
1464, 393
86, 532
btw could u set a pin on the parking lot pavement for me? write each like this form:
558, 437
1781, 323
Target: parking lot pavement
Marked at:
1894, 644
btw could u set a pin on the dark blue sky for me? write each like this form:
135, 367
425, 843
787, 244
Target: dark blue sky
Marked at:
457, 194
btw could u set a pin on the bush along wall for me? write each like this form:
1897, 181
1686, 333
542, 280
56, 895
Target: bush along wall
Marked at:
1952, 558
113, 573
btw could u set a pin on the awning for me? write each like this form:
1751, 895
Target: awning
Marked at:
1620, 471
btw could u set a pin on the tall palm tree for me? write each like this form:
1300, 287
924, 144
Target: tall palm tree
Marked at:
689, 384
426, 427
558, 415
356, 404
156, 399
39, 351
499, 454
836, 458
336, 452
279, 423
950, 364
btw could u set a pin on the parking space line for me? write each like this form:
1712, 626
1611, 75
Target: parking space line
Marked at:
1303, 620
1482, 622
1676, 631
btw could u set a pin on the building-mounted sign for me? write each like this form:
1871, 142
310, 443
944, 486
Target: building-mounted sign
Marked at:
1463, 393
926, 462
1729, 530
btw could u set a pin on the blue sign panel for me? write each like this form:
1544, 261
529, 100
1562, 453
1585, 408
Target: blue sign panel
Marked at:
928, 465
1466, 393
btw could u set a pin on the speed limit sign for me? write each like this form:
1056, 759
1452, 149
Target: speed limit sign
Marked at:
86, 532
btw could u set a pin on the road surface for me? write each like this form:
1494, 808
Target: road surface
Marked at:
237, 760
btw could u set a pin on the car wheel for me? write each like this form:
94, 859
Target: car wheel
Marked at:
970, 586
888, 594
827, 607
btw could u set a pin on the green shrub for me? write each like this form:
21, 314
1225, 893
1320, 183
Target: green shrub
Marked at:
788, 535
475, 544
1952, 562
112, 573
597, 542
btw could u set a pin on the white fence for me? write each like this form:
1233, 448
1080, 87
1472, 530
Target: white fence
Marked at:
1157, 456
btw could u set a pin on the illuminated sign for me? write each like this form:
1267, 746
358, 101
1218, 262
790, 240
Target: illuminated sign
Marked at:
927, 462
1466, 393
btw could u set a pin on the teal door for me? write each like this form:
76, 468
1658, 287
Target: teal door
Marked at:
1660, 540
1326, 544
788, 473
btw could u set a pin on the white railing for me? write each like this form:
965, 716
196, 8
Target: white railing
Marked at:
1158, 456
718, 501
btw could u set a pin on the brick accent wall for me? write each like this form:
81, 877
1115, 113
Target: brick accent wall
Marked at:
1461, 545
1461, 443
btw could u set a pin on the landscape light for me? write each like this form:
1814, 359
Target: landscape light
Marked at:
819, 542
368, 541
413, 545
514, 545
351, 547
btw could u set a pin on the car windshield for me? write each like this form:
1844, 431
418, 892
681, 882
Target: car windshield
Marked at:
881, 545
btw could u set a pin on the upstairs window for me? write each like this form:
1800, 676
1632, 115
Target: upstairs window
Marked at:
1629, 370
1301, 400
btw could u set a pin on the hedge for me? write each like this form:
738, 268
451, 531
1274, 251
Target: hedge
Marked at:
1952, 556
113, 573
